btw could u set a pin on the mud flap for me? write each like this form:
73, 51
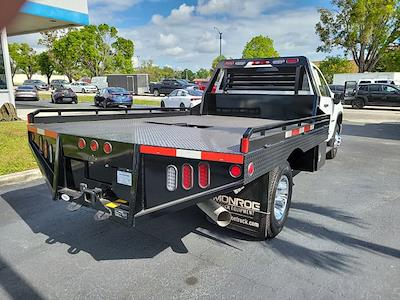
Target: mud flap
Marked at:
248, 206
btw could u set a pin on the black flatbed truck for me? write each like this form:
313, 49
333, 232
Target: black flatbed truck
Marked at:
234, 156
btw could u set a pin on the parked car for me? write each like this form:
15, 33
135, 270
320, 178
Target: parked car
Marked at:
38, 84
83, 87
379, 80
112, 97
64, 95
168, 85
26, 92
375, 94
337, 89
58, 83
183, 98
201, 84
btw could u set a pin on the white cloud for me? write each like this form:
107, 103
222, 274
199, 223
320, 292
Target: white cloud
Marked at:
240, 8
167, 40
177, 16
103, 11
194, 43
174, 51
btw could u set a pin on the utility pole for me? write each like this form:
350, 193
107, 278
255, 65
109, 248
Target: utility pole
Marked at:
220, 40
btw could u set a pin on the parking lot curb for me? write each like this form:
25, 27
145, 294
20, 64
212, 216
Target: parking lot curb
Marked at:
20, 177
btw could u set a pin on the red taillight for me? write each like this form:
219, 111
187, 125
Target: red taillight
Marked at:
250, 169
81, 143
107, 148
235, 171
94, 145
204, 175
260, 62
187, 176
292, 60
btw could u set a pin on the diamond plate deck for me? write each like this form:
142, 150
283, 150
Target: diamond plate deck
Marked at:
203, 133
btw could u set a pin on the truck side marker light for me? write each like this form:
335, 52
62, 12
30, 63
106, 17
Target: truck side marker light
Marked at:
172, 178
187, 176
94, 145
107, 148
81, 143
244, 145
250, 169
235, 171
204, 175
298, 131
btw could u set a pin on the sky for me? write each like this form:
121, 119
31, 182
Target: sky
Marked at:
181, 34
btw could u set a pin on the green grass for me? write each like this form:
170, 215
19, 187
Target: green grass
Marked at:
146, 102
15, 155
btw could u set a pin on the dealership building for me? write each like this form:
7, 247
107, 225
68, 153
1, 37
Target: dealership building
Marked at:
36, 16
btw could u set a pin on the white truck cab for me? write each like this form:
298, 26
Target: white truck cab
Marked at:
329, 104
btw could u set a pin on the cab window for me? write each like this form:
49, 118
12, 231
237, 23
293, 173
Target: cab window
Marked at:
323, 86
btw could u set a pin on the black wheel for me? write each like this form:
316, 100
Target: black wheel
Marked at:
357, 103
182, 106
83, 91
156, 92
279, 198
104, 104
129, 106
162, 104
334, 142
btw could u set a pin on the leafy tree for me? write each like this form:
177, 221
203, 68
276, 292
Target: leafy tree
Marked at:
334, 65
23, 59
46, 65
258, 47
390, 60
13, 49
217, 60
362, 27
188, 74
66, 54
202, 73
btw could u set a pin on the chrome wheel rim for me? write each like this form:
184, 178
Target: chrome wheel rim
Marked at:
338, 140
281, 198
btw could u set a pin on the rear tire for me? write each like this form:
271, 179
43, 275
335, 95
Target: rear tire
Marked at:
182, 106
357, 103
279, 199
104, 104
334, 143
156, 92
83, 91
162, 104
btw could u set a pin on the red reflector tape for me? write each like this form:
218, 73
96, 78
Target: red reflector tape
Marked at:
222, 157
45, 132
192, 154
298, 131
157, 150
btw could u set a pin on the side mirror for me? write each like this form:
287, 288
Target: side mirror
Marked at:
337, 98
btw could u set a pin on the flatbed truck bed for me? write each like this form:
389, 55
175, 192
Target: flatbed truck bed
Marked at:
234, 156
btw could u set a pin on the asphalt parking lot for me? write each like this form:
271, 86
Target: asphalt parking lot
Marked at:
342, 239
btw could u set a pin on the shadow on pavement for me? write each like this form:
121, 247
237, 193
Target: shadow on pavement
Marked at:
387, 131
15, 285
110, 241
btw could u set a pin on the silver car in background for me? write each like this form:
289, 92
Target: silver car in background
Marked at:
26, 92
